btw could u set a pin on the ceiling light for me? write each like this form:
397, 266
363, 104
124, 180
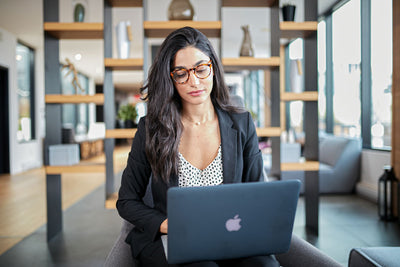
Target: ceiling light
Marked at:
78, 56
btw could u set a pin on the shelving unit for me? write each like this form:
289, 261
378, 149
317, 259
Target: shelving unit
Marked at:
54, 99
55, 30
111, 201
74, 99
111, 65
74, 30
160, 29
269, 132
250, 63
300, 166
81, 168
123, 64
125, 3
303, 96
282, 33
120, 133
249, 3
306, 30
291, 30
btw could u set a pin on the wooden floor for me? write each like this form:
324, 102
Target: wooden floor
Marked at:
23, 197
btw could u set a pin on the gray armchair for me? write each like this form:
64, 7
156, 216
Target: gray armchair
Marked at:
339, 165
300, 254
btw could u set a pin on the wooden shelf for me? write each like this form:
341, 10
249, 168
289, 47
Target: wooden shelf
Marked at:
248, 3
291, 30
126, 3
160, 29
124, 64
111, 201
74, 99
121, 133
77, 30
250, 63
304, 96
300, 166
89, 168
269, 132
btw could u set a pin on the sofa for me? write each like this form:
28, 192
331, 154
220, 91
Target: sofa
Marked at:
339, 170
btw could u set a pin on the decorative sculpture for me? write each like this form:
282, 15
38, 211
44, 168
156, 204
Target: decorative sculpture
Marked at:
75, 81
124, 38
180, 10
246, 49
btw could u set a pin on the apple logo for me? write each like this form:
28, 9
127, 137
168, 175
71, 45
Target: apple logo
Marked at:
233, 224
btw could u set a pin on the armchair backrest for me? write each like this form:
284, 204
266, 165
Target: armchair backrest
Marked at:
332, 148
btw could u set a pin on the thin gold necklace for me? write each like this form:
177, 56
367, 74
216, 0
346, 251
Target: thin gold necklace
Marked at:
197, 123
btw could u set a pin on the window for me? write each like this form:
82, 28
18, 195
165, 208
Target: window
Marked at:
346, 35
340, 60
26, 92
381, 70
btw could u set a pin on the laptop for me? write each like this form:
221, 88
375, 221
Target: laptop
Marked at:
230, 221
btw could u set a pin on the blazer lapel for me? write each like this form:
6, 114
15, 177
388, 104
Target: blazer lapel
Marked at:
229, 146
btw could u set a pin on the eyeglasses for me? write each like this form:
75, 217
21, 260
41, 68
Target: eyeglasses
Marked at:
201, 71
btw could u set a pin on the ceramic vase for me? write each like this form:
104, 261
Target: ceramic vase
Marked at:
79, 13
246, 50
288, 12
180, 10
124, 37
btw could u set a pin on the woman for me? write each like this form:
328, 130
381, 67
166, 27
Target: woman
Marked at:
190, 131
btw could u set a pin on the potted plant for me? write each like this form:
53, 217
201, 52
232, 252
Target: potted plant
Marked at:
127, 114
288, 11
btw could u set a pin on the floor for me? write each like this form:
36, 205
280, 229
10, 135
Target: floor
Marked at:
346, 221
23, 197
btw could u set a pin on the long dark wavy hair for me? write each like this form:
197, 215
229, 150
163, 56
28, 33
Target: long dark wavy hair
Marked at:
163, 120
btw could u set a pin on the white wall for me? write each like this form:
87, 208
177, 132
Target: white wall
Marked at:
372, 162
22, 20
26, 155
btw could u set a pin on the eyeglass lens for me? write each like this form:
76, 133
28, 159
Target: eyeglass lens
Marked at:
201, 71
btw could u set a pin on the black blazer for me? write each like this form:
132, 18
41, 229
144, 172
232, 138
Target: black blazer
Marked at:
242, 162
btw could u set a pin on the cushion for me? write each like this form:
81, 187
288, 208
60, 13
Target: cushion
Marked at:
335, 145
374, 256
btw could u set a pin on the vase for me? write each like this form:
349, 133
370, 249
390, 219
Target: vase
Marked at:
180, 10
246, 50
124, 38
79, 13
288, 12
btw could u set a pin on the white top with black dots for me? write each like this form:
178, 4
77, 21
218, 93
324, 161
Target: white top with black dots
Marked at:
192, 176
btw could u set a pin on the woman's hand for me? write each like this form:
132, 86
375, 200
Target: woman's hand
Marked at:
164, 227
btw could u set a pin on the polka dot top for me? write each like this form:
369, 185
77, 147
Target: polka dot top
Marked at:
192, 176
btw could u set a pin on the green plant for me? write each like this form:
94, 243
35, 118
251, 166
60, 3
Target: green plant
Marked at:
253, 115
127, 112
